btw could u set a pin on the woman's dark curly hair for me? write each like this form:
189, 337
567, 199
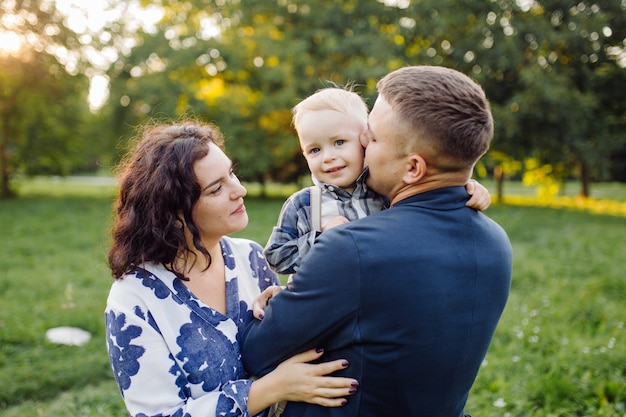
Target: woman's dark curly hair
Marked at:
158, 189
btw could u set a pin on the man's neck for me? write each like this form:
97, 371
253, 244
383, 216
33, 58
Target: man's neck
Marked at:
429, 184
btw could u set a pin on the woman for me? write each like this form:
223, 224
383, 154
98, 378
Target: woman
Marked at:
183, 291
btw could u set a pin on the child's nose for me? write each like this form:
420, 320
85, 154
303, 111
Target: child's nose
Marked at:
329, 155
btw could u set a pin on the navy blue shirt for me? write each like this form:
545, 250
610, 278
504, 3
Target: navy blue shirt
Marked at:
410, 296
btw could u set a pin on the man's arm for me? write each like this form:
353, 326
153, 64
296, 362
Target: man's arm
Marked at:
314, 312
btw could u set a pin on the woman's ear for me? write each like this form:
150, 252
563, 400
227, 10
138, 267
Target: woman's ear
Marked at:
416, 169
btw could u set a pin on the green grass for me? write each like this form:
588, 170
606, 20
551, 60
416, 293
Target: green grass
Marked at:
560, 349
53, 274
613, 190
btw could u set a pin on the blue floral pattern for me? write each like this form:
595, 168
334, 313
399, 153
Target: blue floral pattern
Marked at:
122, 354
172, 354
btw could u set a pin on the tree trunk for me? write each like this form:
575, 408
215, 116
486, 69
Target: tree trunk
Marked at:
5, 189
263, 188
585, 180
498, 175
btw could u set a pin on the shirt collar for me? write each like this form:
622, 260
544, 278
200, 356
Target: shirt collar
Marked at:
446, 198
360, 186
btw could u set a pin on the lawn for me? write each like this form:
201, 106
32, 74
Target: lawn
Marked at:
560, 349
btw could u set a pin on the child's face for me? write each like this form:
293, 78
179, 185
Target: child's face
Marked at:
330, 143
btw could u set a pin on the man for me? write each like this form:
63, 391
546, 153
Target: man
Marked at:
410, 296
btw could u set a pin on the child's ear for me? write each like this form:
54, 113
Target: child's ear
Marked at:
365, 137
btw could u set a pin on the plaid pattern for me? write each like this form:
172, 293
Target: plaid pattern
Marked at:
289, 241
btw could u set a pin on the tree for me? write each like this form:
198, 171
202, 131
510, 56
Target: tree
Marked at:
578, 55
545, 67
267, 56
551, 70
41, 115
42, 94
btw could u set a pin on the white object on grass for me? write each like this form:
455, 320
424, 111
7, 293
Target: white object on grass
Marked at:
72, 336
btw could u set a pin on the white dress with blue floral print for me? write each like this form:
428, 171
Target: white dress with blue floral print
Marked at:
171, 354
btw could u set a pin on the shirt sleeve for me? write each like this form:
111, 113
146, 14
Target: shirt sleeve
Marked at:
318, 309
290, 238
150, 380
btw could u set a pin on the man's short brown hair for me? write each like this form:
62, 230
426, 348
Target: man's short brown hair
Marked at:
445, 108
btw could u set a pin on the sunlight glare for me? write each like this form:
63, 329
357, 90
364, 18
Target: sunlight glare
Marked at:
10, 43
98, 92
81, 17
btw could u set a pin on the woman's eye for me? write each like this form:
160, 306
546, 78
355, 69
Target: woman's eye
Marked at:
216, 189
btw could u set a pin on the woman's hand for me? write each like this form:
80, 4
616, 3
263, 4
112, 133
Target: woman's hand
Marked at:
259, 304
305, 382
481, 199
297, 380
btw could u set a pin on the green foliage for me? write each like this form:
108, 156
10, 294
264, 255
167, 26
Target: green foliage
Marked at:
40, 117
267, 57
553, 71
43, 103
550, 70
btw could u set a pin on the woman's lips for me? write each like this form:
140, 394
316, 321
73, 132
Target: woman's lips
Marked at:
240, 209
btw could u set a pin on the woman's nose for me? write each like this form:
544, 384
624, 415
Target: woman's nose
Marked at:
239, 190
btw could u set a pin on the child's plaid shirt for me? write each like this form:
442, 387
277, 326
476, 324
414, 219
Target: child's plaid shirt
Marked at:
290, 239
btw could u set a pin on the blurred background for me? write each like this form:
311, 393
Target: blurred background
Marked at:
78, 76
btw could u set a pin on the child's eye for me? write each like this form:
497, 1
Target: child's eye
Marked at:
340, 142
314, 150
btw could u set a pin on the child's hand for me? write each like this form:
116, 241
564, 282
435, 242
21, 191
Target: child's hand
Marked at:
261, 301
481, 199
335, 221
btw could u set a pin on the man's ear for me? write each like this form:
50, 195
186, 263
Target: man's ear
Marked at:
416, 169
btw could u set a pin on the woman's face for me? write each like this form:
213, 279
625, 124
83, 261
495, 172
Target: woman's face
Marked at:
220, 210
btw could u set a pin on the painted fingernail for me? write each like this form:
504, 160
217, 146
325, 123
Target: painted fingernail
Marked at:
261, 316
355, 384
345, 364
319, 350
344, 402
352, 390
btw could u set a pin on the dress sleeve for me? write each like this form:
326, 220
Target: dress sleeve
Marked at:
290, 238
150, 380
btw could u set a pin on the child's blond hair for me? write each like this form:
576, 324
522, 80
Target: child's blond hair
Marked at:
343, 100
